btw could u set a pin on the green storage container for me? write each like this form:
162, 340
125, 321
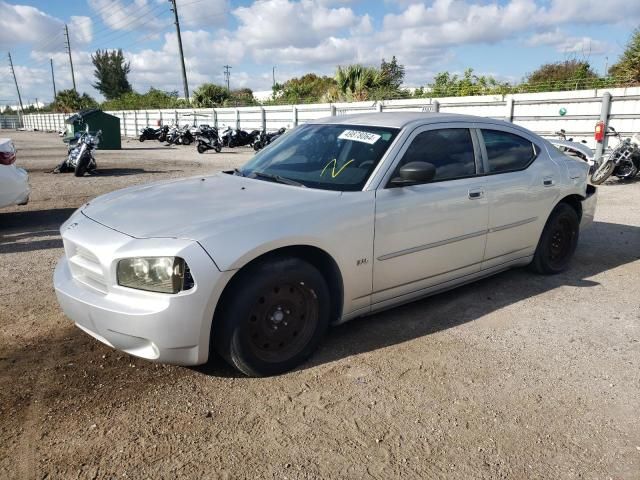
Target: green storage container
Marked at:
97, 120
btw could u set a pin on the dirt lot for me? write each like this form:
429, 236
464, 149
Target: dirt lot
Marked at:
517, 376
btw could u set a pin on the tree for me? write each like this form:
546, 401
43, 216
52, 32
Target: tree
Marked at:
392, 74
111, 72
154, 98
448, 85
561, 75
355, 82
309, 88
628, 66
209, 95
69, 101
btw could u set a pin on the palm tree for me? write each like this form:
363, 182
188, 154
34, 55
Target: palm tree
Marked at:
355, 81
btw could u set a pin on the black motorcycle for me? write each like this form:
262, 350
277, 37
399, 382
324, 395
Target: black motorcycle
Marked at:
149, 133
80, 157
263, 139
238, 138
207, 139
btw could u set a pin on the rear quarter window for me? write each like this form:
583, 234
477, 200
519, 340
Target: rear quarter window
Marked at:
508, 152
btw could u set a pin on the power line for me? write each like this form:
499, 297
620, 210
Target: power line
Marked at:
184, 70
73, 76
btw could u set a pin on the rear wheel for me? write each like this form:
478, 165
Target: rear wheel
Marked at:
558, 241
186, 141
274, 318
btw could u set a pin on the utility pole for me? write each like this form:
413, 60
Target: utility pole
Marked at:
73, 77
227, 75
53, 79
273, 72
16, 82
174, 9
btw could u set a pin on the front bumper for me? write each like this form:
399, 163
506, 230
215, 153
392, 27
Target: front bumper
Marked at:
161, 327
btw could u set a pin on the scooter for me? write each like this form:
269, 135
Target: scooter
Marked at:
207, 139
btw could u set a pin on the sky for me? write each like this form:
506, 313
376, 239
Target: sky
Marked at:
503, 38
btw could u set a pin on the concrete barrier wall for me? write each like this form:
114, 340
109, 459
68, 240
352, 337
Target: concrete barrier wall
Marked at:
539, 112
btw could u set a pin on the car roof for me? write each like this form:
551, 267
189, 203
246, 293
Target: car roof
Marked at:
404, 119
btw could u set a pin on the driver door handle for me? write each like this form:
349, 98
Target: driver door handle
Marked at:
475, 194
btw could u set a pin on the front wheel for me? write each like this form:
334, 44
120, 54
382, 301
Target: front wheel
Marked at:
558, 241
201, 148
274, 317
186, 141
142, 139
81, 166
603, 172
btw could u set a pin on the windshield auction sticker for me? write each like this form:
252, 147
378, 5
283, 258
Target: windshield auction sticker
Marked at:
359, 136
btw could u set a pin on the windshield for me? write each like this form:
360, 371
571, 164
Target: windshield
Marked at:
328, 157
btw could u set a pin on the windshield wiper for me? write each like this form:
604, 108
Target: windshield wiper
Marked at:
238, 172
278, 178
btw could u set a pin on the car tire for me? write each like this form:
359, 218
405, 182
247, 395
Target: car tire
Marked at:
558, 241
273, 318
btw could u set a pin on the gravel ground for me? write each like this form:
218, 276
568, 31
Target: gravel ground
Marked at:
517, 376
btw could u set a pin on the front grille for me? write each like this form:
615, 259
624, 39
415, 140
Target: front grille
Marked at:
85, 266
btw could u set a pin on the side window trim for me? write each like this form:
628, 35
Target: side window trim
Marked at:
386, 181
482, 162
485, 156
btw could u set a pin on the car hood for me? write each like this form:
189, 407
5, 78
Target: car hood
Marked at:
194, 208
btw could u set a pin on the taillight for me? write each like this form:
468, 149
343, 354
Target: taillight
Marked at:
7, 158
599, 133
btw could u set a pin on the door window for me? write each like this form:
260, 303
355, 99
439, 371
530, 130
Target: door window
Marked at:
507, 152
450, 150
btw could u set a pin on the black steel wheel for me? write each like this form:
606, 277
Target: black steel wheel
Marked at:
273, 318
558, 241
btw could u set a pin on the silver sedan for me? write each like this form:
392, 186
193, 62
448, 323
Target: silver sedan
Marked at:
339, 218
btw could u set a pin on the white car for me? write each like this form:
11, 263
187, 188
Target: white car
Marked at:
14, 181
340, 218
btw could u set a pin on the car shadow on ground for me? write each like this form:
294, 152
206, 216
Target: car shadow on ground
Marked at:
16, 228
159, 147
602, 247
123, 172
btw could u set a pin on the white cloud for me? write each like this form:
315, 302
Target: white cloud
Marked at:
564, 43
203, 13
121, 15
26, 24
284, 23
81, 29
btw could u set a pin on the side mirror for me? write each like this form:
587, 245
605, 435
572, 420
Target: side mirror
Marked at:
415, 172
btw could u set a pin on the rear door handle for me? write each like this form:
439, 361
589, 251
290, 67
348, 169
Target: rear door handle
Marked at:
547, 182
476, 194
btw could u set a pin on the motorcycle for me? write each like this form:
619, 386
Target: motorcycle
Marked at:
263, 139
179, 136
207, 138
150, 133
237, 138
80, 157
623, 161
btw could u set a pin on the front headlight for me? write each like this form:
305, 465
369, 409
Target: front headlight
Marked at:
155, 274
